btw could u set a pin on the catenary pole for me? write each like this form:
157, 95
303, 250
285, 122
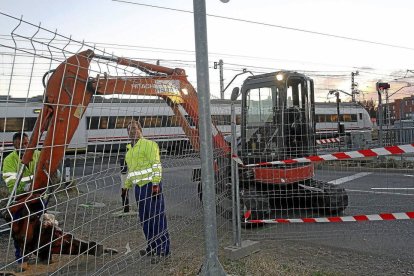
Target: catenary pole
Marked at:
221, 79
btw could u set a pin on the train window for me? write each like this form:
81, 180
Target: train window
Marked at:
238, 119
354, 118
152, 121
360, 116
321, 118
103, 122
173, 121
332, 118
164, 121
122, 121
92, 122
17, 124
346, 118
221, 120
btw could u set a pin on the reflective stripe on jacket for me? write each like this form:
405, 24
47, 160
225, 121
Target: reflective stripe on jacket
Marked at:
144, 164
11, 166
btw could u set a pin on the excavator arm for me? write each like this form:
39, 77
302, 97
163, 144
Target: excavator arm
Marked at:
68, 93
70, 89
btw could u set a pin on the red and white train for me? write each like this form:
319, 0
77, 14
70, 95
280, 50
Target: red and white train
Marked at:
103, 125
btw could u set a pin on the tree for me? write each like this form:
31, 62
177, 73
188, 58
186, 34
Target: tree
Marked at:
370, 107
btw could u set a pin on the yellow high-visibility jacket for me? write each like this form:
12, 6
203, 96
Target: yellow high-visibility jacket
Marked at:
11, 166
144, 164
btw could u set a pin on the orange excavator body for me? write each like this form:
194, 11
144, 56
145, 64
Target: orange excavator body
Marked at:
68, 93
70, 89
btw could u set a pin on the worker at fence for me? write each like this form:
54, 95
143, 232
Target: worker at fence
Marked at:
11, 166
145, 174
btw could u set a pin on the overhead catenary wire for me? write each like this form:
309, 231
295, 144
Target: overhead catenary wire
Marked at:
273, 25
221, 55
238, 66
187, 63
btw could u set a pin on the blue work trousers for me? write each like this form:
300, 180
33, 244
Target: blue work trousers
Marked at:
151, 210
18, 252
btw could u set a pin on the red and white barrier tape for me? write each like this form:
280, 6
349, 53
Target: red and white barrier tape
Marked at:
327, 141
409, 148
358, 218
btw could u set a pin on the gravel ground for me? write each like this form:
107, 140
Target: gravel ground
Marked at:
276, 257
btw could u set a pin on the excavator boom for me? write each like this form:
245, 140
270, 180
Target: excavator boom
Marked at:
67, 95
70, 89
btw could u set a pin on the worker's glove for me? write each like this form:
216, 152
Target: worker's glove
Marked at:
156, 189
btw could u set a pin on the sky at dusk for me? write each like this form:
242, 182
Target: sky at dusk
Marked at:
324, 39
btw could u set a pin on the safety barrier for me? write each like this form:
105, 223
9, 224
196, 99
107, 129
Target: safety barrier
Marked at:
328, 141
356, 218
383, 151
86, 200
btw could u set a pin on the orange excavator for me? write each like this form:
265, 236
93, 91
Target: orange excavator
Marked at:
68, 92
277, 123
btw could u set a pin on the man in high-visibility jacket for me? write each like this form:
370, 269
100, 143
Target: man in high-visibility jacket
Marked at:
11, 166
12, 162
145, 174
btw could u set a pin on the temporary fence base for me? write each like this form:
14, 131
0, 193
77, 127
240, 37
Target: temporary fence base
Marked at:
247, 248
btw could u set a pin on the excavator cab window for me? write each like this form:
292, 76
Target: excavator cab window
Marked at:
278, 117
261, 120
298, 123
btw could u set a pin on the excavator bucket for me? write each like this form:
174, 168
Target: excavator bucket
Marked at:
38, 232
66, 99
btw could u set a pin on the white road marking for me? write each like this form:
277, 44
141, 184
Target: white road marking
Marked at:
392, 188
409, 175
373, 192
349, 178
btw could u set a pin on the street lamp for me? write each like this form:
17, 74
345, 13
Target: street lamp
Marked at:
336, 93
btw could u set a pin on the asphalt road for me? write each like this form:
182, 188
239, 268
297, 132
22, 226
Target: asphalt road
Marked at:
369, 193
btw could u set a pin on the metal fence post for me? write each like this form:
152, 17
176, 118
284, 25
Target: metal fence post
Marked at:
235, 182
211, 264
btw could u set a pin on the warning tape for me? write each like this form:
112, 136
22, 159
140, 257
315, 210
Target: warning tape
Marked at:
409, 148
358, 218
327, 141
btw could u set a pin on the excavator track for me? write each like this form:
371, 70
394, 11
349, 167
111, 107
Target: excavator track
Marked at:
311, 198
326, 198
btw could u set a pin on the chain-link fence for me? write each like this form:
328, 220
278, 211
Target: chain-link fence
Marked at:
327, 183
90, 207
313, 176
